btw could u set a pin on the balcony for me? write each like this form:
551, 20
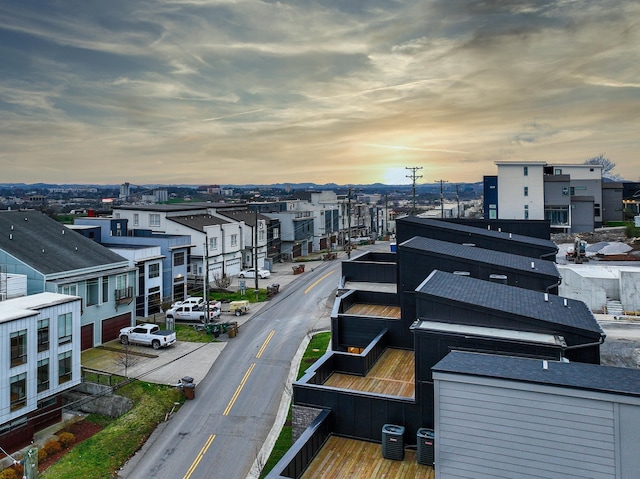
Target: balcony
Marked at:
124, 295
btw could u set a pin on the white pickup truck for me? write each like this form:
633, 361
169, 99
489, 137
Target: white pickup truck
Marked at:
191, 312
147, 334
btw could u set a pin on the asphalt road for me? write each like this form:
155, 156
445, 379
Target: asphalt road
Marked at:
221, 432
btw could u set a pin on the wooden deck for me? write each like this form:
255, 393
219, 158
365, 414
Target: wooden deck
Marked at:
393, 374
377, 310
343, 458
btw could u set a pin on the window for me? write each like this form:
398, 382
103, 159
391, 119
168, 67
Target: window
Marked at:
18, 348
154, 219
105, 289
234, 240
596, 209
213, 244
557, 171
64, 367
178, 258
526, 171
43, 335
154, 270
526, 191
572, 190
70, 289
121, 281
261, 235
276, 233
136, 219
93, 292
557, 215
18, 391
526, 212
64, 328
43, 375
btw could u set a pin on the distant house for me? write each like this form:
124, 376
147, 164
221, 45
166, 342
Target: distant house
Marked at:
39, 359
56, 259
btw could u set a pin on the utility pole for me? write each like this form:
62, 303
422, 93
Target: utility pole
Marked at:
442, 199
349, 222
414, 176
255, 250
458, 201
206, 279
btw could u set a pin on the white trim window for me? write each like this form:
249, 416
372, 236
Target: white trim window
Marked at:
154, 220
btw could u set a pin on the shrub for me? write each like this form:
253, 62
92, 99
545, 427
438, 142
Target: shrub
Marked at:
42, 455
52, 447
632, 231
10, 473
66, 439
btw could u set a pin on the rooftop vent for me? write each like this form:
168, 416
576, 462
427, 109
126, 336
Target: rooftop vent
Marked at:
545, 364
533, 265
546, 297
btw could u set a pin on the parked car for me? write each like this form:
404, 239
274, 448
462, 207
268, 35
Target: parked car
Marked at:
190, 301
197, 312
251, 273
147, 334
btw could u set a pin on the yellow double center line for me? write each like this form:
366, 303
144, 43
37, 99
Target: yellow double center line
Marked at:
238, 389
315, 283
199, 457
266, 342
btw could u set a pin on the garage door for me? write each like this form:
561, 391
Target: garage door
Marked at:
86, 336
112, 326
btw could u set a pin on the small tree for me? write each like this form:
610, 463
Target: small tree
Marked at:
222, 282
126, 358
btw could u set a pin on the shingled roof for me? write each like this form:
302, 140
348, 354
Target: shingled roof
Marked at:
198, 222
510, 300
482, 255
50, 247
585, 376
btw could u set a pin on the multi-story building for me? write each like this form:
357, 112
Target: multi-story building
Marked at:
39, 359
567, 195
57, 259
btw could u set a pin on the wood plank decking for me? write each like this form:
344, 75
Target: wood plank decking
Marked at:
342, 458
377, 310
393, 374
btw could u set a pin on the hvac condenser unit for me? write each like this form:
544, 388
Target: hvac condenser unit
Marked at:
393, 442
426, 445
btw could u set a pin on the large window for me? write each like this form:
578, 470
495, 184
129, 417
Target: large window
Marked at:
154, 219
43, 335
18, 391
18, 348
70, 289
178, 258
64, 328
64, 367
93, 292
154, 270
557, 215
43, 375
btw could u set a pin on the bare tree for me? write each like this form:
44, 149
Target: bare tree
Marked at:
222, 282
607, 166
126, 358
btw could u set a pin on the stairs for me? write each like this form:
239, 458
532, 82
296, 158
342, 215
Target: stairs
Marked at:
614, 307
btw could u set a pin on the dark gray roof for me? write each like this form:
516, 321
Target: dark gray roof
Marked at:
173, 207
473, 230
50, 247
482, 255
198, 222
509, 299
585, 376
249, 217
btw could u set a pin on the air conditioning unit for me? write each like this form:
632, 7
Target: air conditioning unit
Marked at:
393, 442
426, 445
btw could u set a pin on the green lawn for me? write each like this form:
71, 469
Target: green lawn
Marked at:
316, 348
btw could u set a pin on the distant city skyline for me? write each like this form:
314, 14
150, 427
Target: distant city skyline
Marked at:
248, 92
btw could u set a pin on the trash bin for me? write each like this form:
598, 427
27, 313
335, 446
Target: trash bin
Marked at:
186, 380
189, 390
233, 329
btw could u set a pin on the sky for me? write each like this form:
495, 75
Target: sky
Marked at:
343, 91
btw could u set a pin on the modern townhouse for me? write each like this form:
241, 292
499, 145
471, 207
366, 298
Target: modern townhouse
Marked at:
57, 259
402, 383
567, 195
254, 235
39, 359
165, 269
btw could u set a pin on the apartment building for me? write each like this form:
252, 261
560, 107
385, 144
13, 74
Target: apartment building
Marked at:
569, 196
59, 260
39, 359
